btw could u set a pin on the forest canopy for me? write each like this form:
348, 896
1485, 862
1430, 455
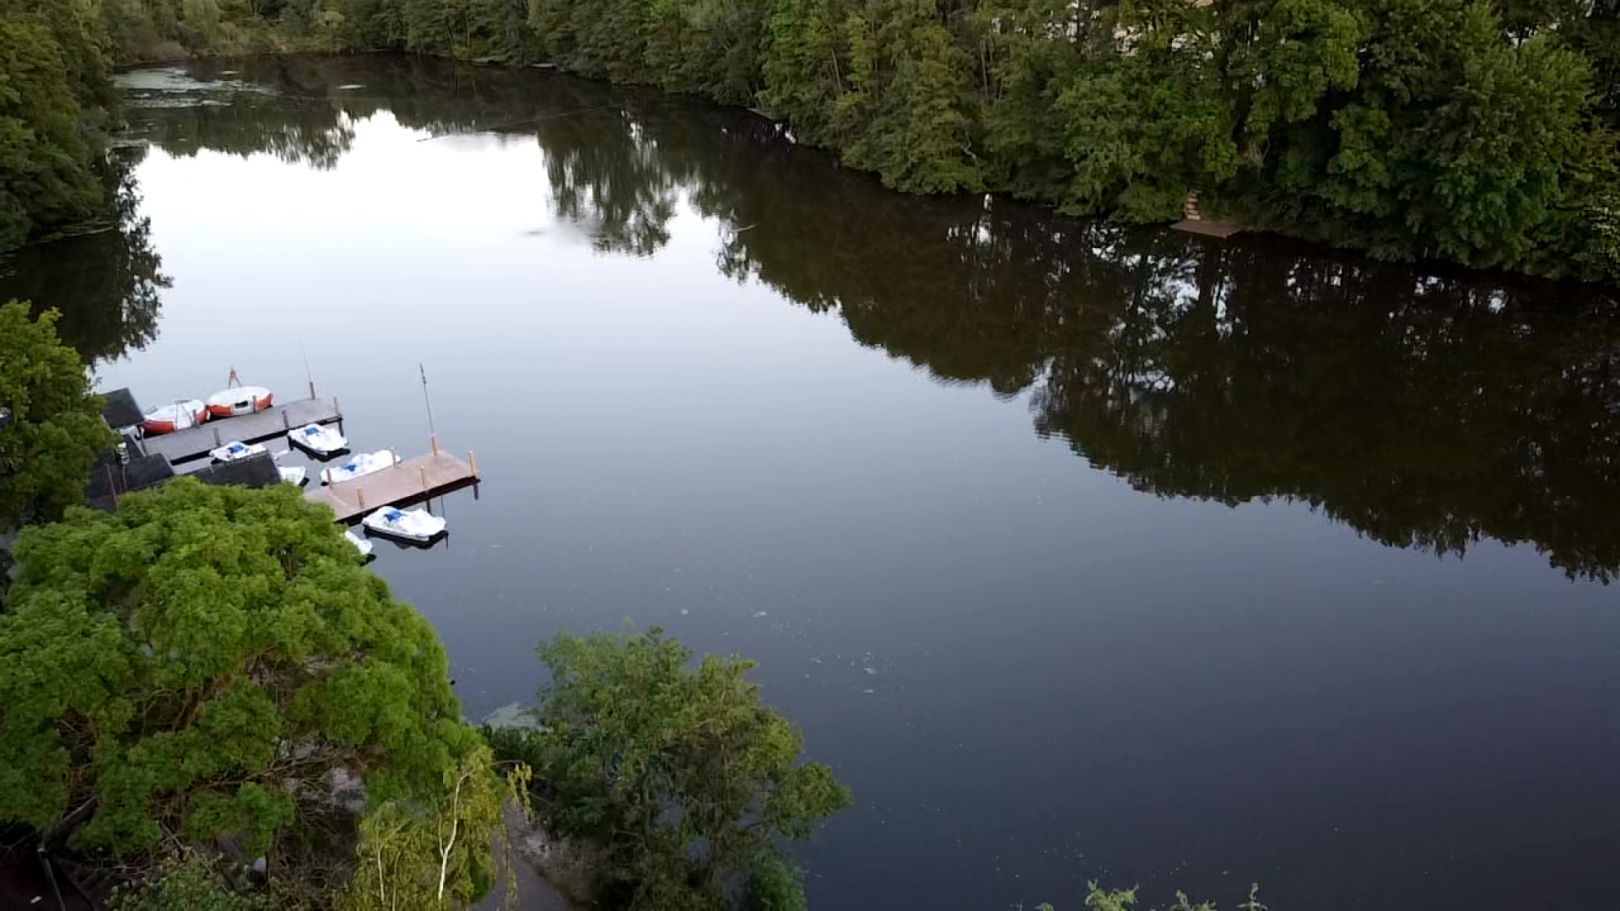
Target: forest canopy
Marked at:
211, 666
1462, 130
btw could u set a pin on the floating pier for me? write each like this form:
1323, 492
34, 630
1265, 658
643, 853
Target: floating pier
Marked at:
409, 480
195, 442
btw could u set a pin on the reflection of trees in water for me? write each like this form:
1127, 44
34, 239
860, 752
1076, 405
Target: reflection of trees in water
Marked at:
107, 284
307, 121
610, 182
606, 176
1424, 410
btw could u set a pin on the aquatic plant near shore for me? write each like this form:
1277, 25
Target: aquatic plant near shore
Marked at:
678, 774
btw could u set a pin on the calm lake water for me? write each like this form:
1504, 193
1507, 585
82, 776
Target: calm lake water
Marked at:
1078, 552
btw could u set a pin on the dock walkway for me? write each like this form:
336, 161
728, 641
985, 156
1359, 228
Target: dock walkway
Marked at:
409, 480
195, 442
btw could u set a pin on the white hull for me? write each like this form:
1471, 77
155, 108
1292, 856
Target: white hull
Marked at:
416, 525
358, 467
296, 476
318, 440
236, 451
178, 416
360, 544
238, 401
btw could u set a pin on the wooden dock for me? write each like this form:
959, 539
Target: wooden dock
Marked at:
408, 481
274, 421
1217, 229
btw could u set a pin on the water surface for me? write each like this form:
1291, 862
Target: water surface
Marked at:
1078, 552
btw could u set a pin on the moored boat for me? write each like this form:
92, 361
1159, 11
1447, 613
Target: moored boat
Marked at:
416, 525
296, 475
360, 544
238, 400
318, 439
359, 466
178, 416
236, 449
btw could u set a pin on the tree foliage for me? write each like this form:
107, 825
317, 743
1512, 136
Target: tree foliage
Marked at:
56, 431
46, 176
187, 883
1102, 898
200, 664
1458, 129
679, 773
413, 855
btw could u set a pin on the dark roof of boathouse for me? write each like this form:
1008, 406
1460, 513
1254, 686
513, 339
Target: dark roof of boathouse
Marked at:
253, 471
121, 409
110, 480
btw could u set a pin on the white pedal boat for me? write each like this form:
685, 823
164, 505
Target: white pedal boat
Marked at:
296, 475
318, 439
238, 400
406, 524
361, 465
360, 544
236, 450
178, 416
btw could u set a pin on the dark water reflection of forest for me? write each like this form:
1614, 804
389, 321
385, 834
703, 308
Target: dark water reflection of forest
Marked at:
1425, 410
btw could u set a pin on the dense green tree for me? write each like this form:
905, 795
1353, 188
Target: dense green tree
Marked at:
46, 179
805, 66
413, 855
1027, 61
1141, 132
56, 430
910, 98
186, 883
201, 663
679, 774
1479, 133
1453, 144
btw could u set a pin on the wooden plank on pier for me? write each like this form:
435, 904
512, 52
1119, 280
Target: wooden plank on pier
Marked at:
410, 480
274, 421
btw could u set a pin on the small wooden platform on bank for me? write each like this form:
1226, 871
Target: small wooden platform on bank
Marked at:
408, 481
195, 442
1217, 229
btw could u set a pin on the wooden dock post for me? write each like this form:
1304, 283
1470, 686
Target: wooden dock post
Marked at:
360, 496
217, 443
422, 470
472, 462
336, 407
433, 440
286, 422
311, 388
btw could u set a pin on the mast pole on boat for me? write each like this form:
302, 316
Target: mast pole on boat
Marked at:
433, 434
308, 374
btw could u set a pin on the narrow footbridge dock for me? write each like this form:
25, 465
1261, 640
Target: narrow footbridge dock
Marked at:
195, 442
407, 481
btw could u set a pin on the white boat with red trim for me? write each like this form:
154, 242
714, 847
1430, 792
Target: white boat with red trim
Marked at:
239, 400
181, 415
